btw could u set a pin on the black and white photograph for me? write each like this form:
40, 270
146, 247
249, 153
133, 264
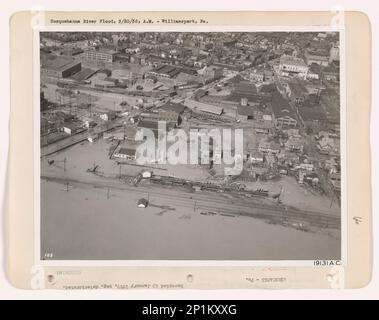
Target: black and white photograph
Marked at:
193, 146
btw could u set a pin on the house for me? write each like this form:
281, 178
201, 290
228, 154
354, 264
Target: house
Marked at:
256, 157
67, 129
332, 165
335, 176
305, 166
268, 75
317, 58
109, 116
263, 127
293, 133
294, 145
312, 178
269, 147
257, 76
270, 159
328, 145
125, 153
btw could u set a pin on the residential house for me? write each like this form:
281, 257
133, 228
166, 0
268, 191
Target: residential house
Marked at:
269, 147
294, 145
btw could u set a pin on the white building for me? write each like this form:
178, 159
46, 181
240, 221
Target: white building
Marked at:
290, 65
334, 54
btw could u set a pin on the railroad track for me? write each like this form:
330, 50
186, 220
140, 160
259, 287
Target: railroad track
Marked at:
236, 206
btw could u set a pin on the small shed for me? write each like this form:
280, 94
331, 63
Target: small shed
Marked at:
147, 174
142, 203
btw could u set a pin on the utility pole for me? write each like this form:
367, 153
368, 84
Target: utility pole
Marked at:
331, 203
66, 186
90, 104
64, 164
108, 194
69, 99
120, 170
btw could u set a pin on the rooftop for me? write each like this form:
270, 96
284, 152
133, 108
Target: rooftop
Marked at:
57, 62
176, 107
280, 106
245, 111
286, 59
203, 107
127, 151
312, 113
297, 89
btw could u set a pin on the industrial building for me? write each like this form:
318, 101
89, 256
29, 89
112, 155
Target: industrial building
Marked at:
152, 125
59, 67
165, 71
104, 55
209, 108
282, 111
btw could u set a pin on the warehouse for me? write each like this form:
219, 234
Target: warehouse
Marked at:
153, 125
209, 108
102, 54
59, 67
282, 111
165, 71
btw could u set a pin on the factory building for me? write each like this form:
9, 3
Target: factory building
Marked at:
282, 111
59, 67
103, 55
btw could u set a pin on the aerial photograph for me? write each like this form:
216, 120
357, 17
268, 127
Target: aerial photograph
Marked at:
190, 146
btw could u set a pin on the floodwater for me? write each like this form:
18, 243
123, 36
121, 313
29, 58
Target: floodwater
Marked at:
87, 223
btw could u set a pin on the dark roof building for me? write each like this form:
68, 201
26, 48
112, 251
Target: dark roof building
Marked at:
246, 112
151, 125
165, 71
312, 114
59, 67
283, 113
175, 107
